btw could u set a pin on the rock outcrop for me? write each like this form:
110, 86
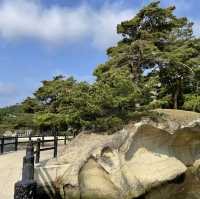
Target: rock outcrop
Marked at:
150, 159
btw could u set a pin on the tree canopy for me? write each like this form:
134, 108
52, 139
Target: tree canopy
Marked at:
156, 64
155, 40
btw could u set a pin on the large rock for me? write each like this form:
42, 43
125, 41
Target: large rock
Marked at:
150, 159
96, 183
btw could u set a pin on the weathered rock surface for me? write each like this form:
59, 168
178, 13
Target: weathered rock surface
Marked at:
152, 160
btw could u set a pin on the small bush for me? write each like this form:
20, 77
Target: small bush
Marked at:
192, 103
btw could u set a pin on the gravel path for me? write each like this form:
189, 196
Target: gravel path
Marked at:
11, 169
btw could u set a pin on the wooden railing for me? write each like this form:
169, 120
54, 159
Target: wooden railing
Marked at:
42, 142
4, 143
16, 141
26, 188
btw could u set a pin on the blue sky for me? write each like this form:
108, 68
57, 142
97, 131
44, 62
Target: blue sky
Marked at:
43, 38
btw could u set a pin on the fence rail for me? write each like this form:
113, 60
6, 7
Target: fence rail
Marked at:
16, 141
39, 149
27, 187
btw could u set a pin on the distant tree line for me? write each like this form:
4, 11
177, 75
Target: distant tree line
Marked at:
156, 64
14, 117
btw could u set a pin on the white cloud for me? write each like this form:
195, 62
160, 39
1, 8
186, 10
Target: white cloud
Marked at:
106, 20
196, 28
11, 93
54, 25
183, 7
88, 78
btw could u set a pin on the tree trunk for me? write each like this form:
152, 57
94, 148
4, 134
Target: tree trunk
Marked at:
177, 93
176, 99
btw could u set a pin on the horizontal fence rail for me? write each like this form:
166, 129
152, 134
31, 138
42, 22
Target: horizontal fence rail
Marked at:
15, 141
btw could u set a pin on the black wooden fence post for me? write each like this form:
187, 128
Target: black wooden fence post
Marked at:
37, 160
2, 144
26, 188
55, 145
65, 141
43, 140
16, 143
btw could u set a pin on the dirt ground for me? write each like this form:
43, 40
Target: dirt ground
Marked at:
11, 170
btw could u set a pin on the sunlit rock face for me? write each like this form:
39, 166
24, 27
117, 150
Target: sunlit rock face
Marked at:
151, 160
